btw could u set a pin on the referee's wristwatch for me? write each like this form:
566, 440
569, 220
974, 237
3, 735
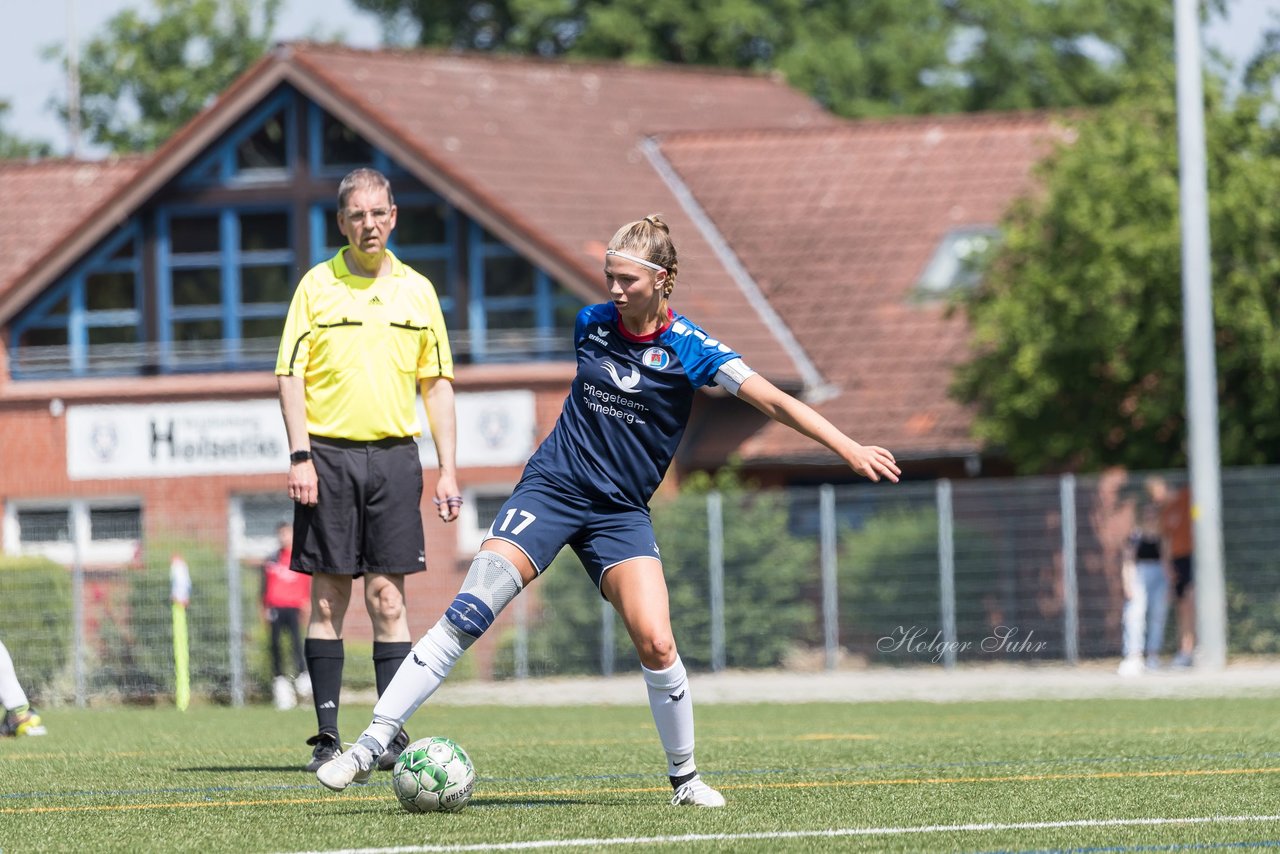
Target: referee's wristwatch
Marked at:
299, 457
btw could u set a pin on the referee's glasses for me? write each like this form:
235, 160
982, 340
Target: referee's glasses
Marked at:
380, 216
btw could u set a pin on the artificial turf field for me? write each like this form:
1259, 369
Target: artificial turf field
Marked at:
1079, 775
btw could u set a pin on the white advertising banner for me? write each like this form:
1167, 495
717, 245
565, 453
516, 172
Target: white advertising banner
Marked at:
175, 439
229, 437
494, 429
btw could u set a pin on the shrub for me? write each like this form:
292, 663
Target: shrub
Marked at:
37, 622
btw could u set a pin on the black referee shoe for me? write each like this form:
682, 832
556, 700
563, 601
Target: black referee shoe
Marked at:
326, 747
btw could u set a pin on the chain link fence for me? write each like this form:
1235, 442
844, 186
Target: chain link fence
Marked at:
934, 574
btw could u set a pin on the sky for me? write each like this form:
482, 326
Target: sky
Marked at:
28, 82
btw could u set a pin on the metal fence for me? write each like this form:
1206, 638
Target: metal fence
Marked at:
922, 573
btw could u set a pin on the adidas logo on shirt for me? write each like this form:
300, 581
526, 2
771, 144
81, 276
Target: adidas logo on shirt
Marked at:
375, 300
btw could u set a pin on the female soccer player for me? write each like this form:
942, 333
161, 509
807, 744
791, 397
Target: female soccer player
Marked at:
588, 486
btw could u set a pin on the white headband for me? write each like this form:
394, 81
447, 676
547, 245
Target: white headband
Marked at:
649, 264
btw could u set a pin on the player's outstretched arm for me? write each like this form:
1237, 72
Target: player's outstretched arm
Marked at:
870, 461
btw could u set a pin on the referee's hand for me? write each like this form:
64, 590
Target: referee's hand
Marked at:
448, 499
304, 488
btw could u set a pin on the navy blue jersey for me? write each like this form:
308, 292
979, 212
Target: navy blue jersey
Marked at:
628, 407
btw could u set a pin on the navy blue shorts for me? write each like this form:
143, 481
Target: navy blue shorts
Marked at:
541, 518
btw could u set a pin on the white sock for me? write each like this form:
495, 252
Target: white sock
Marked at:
672, 708
423, 671
11, 694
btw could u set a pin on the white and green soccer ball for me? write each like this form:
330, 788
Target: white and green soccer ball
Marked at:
433, 775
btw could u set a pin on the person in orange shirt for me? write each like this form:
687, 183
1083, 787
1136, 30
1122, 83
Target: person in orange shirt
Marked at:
285, 594
1175, 525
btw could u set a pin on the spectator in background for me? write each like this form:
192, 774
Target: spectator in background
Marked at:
285, 594
19, 717
1175, 523
1146, 591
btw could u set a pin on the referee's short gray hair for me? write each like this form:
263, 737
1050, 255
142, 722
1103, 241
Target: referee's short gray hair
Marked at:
363, 178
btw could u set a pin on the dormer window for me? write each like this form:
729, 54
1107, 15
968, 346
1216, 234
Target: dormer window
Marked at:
958, 262
261, 151
264, 152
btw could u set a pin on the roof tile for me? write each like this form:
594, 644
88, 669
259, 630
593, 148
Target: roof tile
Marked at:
53, 196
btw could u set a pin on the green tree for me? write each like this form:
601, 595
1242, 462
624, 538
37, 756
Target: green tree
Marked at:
142, 79
13, 146
865, 58
1078, 329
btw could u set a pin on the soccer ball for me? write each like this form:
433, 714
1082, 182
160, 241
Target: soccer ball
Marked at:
433, 775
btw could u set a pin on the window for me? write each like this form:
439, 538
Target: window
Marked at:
98, 532
90, 323
44, 526
340, 147
515, 310
424, 239
108, 524
42, 352
479, 508
264, 150
336, 149
257, 516
226, 278
261, 150
959, 260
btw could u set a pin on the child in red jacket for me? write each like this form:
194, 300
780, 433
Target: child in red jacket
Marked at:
284, 595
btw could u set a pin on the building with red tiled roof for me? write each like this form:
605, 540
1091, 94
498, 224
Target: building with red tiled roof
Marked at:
838, 228
142, 304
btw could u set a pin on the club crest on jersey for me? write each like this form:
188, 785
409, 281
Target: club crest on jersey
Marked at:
655, 357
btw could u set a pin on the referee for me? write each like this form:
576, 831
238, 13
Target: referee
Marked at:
364, 331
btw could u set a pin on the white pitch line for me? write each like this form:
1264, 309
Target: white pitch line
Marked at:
798, 834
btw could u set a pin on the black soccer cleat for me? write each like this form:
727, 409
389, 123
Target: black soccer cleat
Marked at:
387, 759
326, 747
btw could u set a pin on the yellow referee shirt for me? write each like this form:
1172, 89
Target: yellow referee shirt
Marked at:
361, 345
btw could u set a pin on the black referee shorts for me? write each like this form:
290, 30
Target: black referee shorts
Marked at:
369, 516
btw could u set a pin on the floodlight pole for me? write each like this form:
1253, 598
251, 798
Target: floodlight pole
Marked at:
1198, 341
